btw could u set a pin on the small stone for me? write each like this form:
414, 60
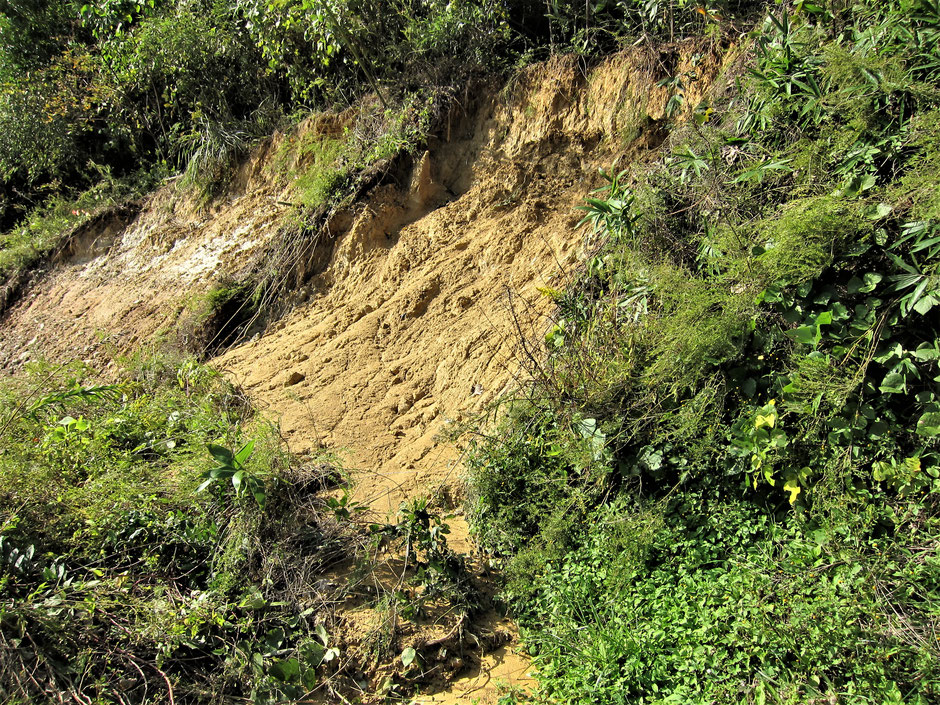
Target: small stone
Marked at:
294, 378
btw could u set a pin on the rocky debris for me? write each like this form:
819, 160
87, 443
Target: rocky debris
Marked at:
294, 378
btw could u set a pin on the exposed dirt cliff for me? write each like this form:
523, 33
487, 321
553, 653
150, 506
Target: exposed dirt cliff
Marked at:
407, 320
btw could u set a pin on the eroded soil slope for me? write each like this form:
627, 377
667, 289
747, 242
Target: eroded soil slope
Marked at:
411, 322
429, 278
415, 326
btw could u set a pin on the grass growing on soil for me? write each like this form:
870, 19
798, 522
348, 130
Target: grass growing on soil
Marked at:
721, 484
46, 227
158, 542
120, 573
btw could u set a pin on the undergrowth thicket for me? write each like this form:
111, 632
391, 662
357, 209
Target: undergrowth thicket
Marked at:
721, 484
158, 543
122, 579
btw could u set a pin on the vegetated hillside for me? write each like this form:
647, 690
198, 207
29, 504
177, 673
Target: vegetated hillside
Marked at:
407, 303
710, 477
721, 483
412, 245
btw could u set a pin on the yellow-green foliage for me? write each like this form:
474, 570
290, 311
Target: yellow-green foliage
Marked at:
315, 165
699, 323
35, 238
802, 239
917, 188
318, 180
319, 166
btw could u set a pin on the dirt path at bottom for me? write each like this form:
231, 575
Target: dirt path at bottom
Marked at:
504, 670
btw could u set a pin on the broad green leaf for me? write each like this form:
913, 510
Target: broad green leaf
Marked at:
924, 304
929, 424
652, 458
880, 471
806, 334
242, 455
312, 653
222, 455
761, 694
882, 210
893, 383
408, 656
912, 465
778, 438
555, 337
888, 353
870, 281
285, 670
588, 427
878, 429
254, 601
320, 631
310, 679
762, 421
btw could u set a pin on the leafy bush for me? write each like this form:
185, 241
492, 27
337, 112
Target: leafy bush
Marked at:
753, 339
117, 575
727, 600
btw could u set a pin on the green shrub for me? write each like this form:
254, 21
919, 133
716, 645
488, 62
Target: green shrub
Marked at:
754, 341
718, 599
118, 574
